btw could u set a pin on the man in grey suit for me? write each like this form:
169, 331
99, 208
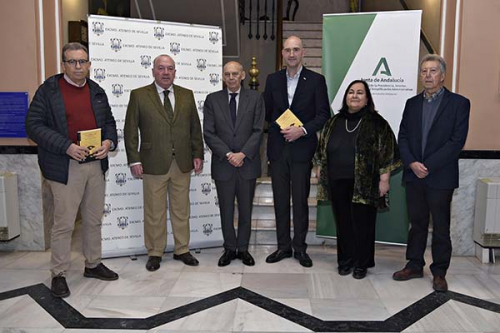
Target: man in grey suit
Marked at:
232, 126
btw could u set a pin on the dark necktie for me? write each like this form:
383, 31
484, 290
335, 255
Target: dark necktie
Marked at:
232, 107
168, 106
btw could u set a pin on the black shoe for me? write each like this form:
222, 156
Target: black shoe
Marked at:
100, 272
59, 287
359, 273
226, 257
246, 258
345, 270
153, 263
303, 258
187, 258
278, 255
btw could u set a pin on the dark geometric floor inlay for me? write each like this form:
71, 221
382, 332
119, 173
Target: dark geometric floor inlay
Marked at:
68, 317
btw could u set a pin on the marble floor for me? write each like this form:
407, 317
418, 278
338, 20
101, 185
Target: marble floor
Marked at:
281, 297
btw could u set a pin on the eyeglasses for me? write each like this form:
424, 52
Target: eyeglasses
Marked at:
73, 62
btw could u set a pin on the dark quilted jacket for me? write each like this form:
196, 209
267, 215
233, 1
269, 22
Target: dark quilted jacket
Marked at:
46, 125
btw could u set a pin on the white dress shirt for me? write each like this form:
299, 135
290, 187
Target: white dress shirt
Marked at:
291, 87
171, 95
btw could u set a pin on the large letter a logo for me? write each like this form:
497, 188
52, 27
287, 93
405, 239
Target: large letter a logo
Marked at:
385, 70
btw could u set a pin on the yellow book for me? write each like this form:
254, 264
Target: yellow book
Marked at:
288, 119
92, 140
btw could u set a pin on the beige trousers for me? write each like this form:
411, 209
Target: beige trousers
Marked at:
175, 184
85, 189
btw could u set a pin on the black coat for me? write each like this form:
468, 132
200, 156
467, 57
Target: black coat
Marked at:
445, 141
310, 104
47, 126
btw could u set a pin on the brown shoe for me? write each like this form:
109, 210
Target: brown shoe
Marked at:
407, 274
439, 283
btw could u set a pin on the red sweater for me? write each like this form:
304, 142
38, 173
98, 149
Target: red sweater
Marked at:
79, 113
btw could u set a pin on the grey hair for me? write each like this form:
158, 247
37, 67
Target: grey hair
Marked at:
435, 57
163, 55
73, 47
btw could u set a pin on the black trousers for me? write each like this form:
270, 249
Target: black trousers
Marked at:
289, 177
355, 226
243, 190
423, 202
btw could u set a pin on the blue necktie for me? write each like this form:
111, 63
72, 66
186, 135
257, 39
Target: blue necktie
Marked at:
232, 107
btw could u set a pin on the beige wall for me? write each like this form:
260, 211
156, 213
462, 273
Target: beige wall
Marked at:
449, 40
19, 51
479, 66
21, 65
73, 10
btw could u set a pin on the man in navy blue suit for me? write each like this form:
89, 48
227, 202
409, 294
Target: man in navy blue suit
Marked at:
431, 136
290, 150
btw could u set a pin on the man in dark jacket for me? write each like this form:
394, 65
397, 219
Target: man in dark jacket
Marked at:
233, 125
64, 105
431, 136
290, 150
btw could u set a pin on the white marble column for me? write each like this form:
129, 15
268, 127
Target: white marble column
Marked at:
33, 234
464, 199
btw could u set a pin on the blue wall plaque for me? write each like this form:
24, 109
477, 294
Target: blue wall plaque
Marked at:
13, 110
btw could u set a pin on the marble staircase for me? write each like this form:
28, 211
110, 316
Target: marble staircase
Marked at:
311, 34
263, 219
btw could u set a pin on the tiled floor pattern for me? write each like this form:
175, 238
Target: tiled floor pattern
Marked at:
281, 297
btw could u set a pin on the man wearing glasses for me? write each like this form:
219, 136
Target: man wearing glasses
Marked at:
64, 105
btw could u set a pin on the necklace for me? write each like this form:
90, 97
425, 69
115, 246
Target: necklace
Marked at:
355, 128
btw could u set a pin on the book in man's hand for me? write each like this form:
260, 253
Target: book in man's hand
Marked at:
91, 139
288, 119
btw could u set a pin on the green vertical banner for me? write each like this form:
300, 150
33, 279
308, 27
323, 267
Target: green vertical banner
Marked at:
382, 49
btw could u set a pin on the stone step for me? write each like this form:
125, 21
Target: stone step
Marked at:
267, 180
309, 43
264, 188
268, 201
303, 34
315, 69
268, 237
302, 26
312, 62
270, 224
313, 52
266, 212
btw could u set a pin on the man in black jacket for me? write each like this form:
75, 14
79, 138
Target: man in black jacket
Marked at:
290, 150
432, 134
64, 105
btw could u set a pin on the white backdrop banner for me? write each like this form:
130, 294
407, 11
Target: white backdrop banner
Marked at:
380, 48
122, 53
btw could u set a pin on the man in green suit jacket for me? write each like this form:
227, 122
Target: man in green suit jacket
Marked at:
171, 146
